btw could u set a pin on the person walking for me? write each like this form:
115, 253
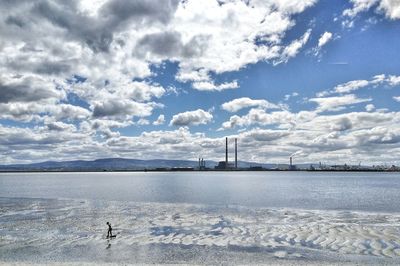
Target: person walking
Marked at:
109, 232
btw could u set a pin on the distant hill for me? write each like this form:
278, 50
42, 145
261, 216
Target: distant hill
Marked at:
108, 164
117, 164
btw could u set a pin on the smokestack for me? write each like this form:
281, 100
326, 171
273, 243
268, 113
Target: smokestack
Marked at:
236, 153
226, 152
290, 162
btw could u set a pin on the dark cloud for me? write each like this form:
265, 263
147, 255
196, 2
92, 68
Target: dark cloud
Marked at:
142, 11
118, 108
110, 108
23, 93
165, 43
98, 32
264, 135
342, 124
52, 68
169, 44
93, 33
14, 20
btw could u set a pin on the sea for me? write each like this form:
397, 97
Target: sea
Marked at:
200, 218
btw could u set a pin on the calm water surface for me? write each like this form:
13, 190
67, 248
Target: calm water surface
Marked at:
377, 192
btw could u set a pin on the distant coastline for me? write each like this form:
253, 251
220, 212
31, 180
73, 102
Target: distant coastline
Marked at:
161, 165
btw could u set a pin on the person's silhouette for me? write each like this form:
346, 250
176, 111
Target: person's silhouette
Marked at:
109, 233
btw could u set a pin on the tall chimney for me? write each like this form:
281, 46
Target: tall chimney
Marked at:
236, 153
226, 152
290, 162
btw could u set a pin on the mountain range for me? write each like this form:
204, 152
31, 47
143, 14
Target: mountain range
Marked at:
118, 164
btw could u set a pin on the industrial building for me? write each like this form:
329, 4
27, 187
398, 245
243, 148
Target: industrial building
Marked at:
226, 165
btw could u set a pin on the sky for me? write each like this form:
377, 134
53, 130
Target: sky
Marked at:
318, 80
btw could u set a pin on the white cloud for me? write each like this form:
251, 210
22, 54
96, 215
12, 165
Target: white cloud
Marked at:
325, 38
196, 117
322, 41
354, 85
293, 48
109, 43
143, 121
210, 86
263, 135
394, 80
28, 88
232, 29
82, 70
288, 96
60, 126
351, 86
396, 98
390, 8
260, 117
122, 109
159, 121
359, 6
336, 103
245, 102
370, 107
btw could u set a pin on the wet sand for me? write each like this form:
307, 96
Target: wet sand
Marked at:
73, 231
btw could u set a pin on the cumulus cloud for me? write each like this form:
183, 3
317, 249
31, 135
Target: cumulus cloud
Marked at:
245, 102
354, 85
359, 6
211, 86
293, 48
321, 135
234, 29
396, 98
39, 111
115, 108
60, 126
370, 107
79, 71
351, 86
143, 122
325, 38
393, 80
159, 121
341, 124
196, 117
39, 138
169, 45
111, 42
390, 8
322, 41
263, 135
260, 117
20, 88
337, 103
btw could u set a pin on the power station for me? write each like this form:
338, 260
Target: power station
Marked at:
226, 165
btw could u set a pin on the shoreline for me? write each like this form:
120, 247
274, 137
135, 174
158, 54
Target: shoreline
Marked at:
194, 170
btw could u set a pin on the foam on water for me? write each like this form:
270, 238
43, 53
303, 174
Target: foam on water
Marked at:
72, 230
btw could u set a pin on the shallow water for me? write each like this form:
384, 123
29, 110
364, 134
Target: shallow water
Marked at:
200, 218
378, 192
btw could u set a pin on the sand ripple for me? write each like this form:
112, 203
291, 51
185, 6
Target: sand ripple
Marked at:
65, 223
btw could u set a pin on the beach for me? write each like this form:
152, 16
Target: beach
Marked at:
54, 231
